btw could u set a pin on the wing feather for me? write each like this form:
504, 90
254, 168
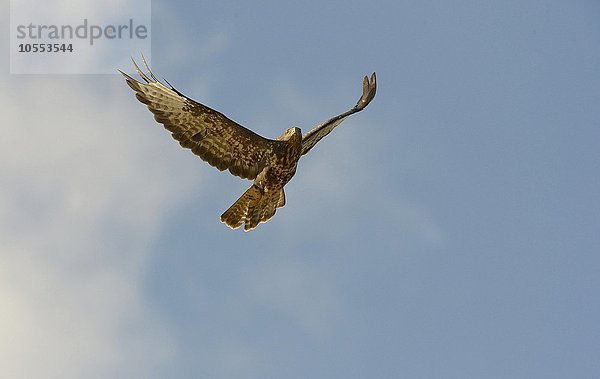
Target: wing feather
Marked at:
310, 138
212, 136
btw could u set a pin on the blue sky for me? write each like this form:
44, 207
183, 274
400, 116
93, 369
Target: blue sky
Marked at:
450, 230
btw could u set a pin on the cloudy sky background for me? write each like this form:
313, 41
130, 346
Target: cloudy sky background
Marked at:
450, 230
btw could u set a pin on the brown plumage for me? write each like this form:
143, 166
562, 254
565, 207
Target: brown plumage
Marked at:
227, 145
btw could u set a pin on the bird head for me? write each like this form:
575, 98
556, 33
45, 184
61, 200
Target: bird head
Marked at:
290, 133
293, 131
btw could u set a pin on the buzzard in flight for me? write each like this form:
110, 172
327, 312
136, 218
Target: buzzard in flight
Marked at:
225, 144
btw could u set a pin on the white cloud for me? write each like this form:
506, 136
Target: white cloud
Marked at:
83, 194
61, 324
84, 191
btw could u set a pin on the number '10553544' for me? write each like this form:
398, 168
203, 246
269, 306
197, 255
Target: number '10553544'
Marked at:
45, 47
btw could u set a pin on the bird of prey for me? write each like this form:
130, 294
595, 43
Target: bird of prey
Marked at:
227, 145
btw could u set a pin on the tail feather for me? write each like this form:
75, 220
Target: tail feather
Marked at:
253, 208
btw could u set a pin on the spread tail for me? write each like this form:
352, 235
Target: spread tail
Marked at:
253, 207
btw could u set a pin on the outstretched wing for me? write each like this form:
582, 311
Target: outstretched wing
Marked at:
221, 142
313, 136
